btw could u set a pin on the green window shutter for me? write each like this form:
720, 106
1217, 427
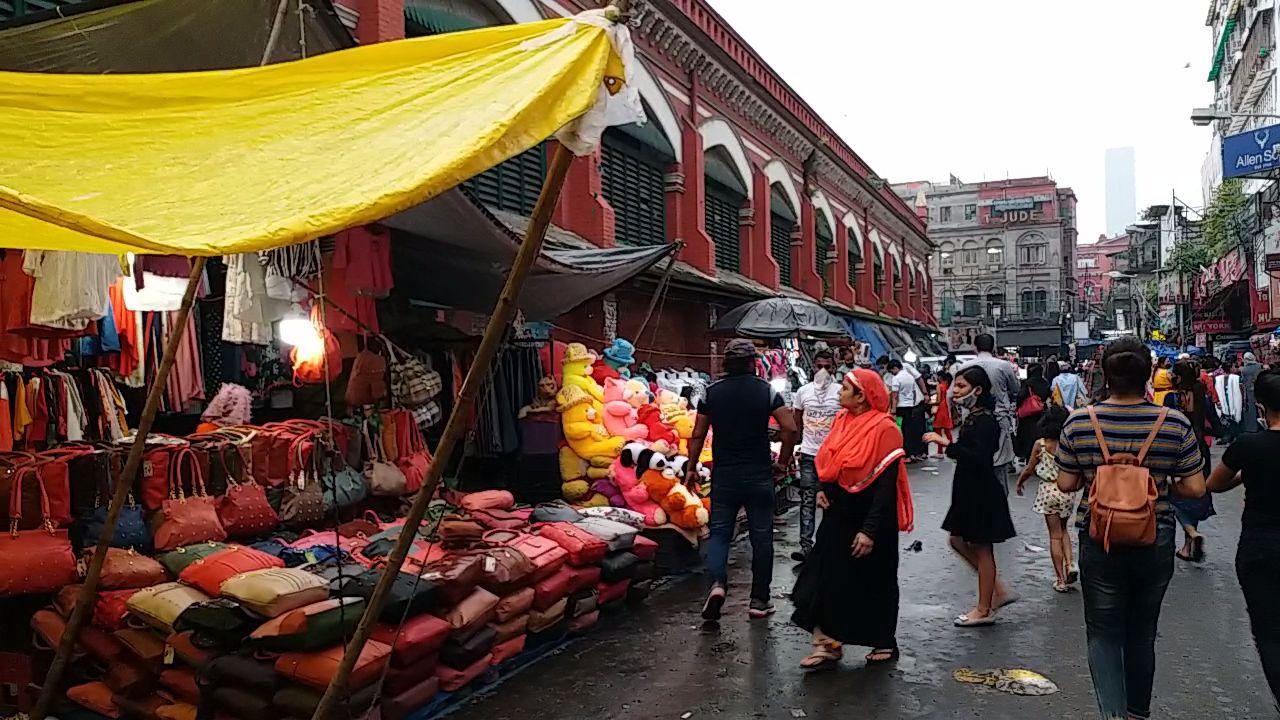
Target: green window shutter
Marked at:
724, 224
780, 229
825, 245
513, 185
634, 184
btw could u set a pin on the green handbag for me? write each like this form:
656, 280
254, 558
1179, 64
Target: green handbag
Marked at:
175, 561
315, 626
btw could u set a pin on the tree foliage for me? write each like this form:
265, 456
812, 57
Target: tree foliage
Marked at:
1220, 231
1189, 254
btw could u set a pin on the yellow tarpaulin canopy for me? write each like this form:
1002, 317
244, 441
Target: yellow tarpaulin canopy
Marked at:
220, 162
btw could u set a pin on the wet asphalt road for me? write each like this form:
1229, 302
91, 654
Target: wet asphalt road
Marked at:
656, 663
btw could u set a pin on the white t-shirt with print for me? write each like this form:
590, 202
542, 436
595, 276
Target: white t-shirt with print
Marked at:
819, 408
904, 383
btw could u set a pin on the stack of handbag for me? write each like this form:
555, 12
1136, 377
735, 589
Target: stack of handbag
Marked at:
414, 386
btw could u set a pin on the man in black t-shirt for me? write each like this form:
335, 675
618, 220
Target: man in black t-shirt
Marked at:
737, 408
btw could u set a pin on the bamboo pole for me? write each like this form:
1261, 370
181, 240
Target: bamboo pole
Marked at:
503, 314
658, 291
84, 601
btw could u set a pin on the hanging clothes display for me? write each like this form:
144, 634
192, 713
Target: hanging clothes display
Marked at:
70, 288
511, 385
361, 311
128, 361
363, 254
249, 310
20, 342
158, 283
286, 264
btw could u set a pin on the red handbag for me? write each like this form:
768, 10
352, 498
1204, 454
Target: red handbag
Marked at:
111, 609
583, 547
34, 561
125, 569
316, 669
504, 651
644, 549
545, 554
517, 603
208, 574
610, 592
549, 591
584, 577
415, 459
451, 679
499, 519
186, 520
55, 474
244, 511
419, 637
153, 476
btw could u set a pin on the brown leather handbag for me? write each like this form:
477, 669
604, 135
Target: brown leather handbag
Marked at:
304, 498
460, 531
477, 609
517, 603
124, 569
316, 668
34, 561
96, 696
505, 570
145, 645
186, 520
244, 510
455, 577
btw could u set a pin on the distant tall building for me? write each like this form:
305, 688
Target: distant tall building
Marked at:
1122, 189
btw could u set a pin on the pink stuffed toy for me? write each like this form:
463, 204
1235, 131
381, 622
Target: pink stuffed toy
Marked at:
637, 496
619, 416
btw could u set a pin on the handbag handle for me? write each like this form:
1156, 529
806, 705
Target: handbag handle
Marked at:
197, 477
492, 536
15, 498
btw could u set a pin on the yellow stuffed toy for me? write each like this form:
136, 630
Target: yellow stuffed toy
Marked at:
576, 369
582, 429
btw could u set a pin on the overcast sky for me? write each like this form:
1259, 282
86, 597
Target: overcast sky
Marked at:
987, 89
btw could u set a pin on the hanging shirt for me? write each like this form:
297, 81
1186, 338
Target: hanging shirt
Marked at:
21, 413
70, 288
364, 256
249, 311
6, 421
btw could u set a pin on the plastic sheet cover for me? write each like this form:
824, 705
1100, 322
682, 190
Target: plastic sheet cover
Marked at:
228, 161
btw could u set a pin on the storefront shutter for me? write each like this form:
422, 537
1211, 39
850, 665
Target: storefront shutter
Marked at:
633, 183
724, 225
780, 245
513, 185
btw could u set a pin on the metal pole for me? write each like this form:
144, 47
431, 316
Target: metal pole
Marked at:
88, 591
276, 26
454, 429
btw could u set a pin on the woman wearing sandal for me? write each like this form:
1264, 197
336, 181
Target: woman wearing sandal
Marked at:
979, 515
847, 591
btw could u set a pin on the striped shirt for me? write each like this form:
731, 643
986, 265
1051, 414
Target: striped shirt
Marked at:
1174, 454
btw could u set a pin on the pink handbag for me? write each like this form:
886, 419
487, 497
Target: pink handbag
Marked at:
34, 561
186, 520
546, 554
488, 500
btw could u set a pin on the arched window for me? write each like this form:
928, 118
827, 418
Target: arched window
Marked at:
725, 196
1032, 249
877, 270
969, 253
897, 275
995, 252
995, 299
948, 305
972, 303
782, 223
633, 166
854, 257
946, 257
1028, 303
1042, 303
825, 251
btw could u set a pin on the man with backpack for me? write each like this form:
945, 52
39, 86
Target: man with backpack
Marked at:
1129, 455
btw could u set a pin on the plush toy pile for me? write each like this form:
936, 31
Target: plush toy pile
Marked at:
624, 446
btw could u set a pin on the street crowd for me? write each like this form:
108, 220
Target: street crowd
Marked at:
1122, 444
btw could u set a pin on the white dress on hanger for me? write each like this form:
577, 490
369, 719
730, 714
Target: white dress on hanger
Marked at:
71, 289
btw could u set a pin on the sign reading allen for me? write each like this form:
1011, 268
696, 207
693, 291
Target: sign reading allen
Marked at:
1252, 152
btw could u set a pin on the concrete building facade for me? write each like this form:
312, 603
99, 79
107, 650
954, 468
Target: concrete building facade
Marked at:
1005, 259
1122, 188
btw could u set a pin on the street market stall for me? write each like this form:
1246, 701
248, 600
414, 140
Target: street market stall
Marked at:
244, 538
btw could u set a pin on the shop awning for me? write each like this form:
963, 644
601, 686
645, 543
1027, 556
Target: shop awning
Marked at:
869, 333
453, 252
226, 161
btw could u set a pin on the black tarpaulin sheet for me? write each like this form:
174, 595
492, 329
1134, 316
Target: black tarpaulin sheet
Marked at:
780, 317
452, 252
169, 36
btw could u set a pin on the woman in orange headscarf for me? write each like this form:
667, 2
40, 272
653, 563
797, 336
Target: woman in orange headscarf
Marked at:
847, 591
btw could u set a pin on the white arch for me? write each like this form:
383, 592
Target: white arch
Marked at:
718, 133
851, 225
778, 174
521, 11
822, 205
662, 112
876, 244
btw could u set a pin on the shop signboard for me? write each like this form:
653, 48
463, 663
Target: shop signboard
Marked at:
1210, 326
1273, 262
1229, 269
1252, 152
960, 337
1202, 339
1013, 211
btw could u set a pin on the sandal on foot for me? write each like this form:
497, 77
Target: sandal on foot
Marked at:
1197, 548
1181, 556
823, 657
1073, 574
965, 621
1061, 587
878, 656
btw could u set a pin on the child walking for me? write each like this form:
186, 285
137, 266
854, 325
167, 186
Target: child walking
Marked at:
1055, 505
942, 416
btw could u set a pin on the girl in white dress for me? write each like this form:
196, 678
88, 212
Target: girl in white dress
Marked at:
1055, 505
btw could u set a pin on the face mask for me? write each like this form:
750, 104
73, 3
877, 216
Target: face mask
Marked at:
822, 378
968, 402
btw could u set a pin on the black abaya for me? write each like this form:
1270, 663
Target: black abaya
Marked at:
853, 600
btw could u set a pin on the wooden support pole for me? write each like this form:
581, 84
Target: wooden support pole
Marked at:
85, 600
494, 332
658, 291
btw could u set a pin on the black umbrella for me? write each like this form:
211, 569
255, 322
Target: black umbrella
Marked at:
780, 317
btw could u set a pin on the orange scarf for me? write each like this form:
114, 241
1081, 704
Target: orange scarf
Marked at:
860, 447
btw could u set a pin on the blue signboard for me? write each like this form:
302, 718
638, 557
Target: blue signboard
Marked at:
1251, 153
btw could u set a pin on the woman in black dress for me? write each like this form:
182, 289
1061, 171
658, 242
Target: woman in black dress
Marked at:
979, 514
1026, 436
847, 592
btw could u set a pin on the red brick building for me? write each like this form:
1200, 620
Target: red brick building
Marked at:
764, 195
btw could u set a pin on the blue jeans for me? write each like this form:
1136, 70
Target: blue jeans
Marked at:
727, 497
808, 486
1123, 591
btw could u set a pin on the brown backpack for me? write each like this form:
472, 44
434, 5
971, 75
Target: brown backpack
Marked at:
1122, 498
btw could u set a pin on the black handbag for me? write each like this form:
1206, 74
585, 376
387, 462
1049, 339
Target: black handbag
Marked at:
256, 676
461, 654
410, 595
296, 701
221, 622
243, 704
617, 566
